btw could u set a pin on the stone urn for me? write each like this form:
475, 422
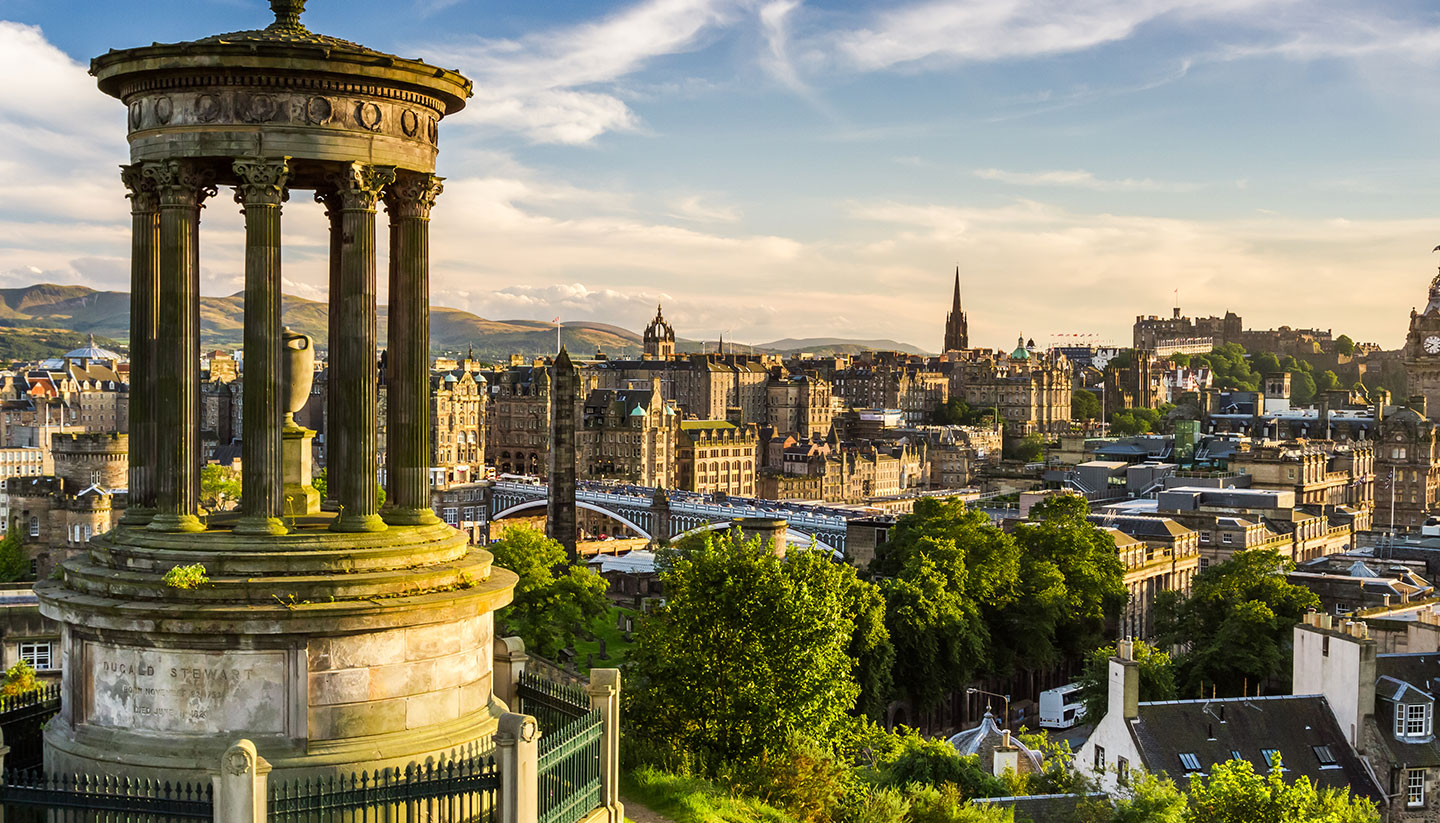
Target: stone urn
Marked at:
299, 370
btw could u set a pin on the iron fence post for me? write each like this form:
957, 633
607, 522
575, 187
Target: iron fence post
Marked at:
605, 698
517, 740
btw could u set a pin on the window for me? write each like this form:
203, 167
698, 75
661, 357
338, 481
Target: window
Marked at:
36, 654
1204, 563
1122, 768
34, 527
452, 516
1190, 761
1415, 787
1269, 756
1099, 758
1227, 538
1412, 719
1235, 755
1325, 756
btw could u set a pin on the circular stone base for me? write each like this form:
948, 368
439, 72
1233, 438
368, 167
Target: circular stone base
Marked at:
332, 652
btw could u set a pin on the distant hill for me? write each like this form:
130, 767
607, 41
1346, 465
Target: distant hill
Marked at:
835, 345
106, 314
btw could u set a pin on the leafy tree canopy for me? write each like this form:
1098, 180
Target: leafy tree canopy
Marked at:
1235, 793
14, 565
553, 599
1344, 345
1157, 678
219, 487
1238, 620
956, 412
1084, 405
749, 649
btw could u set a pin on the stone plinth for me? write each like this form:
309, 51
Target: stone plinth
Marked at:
297, 453
332, 652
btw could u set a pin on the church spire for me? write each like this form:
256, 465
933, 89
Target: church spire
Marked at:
957, 331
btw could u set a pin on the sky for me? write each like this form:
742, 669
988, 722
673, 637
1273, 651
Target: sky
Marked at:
808, 168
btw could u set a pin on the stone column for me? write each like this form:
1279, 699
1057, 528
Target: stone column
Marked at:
144, 293
354, 376
260, 193
560, 509
407, 431
333, 468
182, 186
605, 696
517, 740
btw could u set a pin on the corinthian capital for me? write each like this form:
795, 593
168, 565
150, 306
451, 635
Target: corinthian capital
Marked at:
139, 189
412, 195
358, 185
262, 181
180, 182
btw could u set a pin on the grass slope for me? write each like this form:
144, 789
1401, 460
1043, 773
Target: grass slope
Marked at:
694, 800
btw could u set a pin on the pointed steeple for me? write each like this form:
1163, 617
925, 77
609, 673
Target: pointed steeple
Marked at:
957, 329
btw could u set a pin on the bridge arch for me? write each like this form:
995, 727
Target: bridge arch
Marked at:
540, 504
793, 536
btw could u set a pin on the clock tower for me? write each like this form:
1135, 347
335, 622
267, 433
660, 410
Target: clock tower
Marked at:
1422, 352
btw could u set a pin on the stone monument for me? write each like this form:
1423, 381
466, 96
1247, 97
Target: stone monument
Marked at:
360, 638
560, 508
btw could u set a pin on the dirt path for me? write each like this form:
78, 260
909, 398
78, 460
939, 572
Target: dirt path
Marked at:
639, 814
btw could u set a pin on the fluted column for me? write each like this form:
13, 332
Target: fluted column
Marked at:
262, 483
181, 186
144, 293
353, 372
333, 468
407, 447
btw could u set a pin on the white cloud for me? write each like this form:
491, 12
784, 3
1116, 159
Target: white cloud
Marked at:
700, 210
544, 85
1081, 179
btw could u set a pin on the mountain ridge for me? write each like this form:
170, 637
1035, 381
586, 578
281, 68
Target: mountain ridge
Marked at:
106, 314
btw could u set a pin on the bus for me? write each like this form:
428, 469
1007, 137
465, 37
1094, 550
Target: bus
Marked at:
1060, 707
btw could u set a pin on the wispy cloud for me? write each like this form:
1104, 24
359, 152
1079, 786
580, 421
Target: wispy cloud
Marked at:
1081, 179
701, 210
557, 86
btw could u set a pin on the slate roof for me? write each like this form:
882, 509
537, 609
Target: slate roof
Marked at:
1411, 678
1138, 525
1214, 731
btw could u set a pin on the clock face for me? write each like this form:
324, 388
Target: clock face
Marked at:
1432, 345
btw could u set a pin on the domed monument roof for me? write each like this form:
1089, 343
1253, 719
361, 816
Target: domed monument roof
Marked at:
312, 97
91, 352
1020, 353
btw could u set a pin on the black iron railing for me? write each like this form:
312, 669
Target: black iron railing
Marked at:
32, 797
22, 722
553, 705
457, 789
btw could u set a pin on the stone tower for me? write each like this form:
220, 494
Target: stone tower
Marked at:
360, 638
1422, 351
659, 337
560, 511
957, 329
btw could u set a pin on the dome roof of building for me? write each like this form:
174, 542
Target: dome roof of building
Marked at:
91, 352
989, 735
1020, 353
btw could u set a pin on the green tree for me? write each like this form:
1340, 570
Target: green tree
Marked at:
1029, 448
19, 679
1327, 381
14, 565
932, 762
956, 412
1143, 798
1234, 793
1265, 363
1238, 620
1344, 345
749, 649
553, 599
1084, 405
1157, 678
1072, 584
1302, 388
870, 648
1180, 360
219, 487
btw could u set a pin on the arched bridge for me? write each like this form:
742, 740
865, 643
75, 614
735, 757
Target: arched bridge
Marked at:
680, 513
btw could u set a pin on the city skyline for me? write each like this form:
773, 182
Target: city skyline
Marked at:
787, 169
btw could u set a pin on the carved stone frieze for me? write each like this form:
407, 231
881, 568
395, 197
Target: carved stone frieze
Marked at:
360, 110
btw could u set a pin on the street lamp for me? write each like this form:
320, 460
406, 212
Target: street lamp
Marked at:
1005, 697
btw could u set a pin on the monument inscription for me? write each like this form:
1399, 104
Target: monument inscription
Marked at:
170, 690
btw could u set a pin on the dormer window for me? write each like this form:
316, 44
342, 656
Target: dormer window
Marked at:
1413, 719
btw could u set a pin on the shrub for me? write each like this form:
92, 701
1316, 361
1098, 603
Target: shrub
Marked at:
186, 577
19, 679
